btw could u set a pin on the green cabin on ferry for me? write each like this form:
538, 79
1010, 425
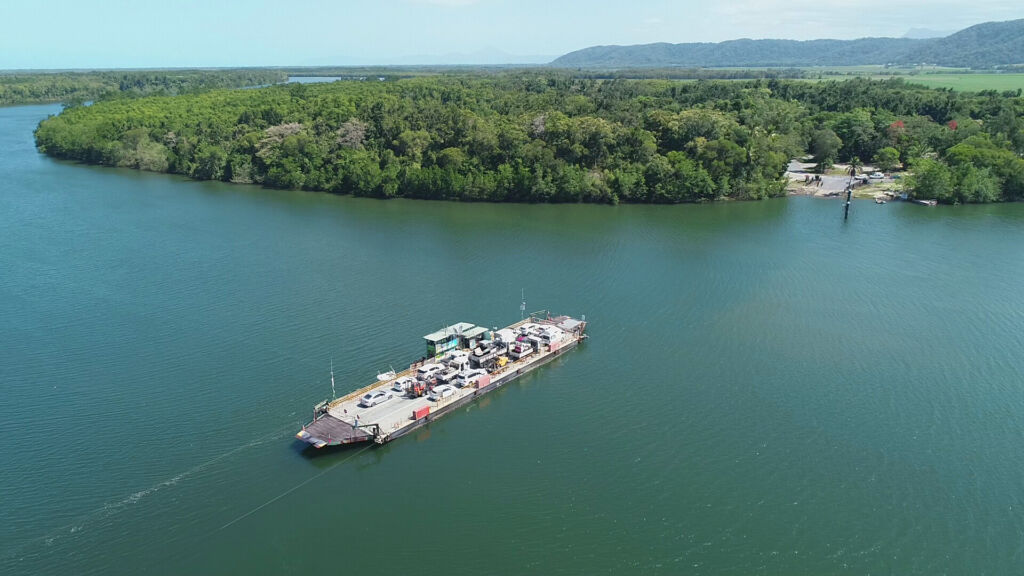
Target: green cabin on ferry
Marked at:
461, 335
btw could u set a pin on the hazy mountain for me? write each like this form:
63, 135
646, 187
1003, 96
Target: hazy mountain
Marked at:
925, 33
980, 46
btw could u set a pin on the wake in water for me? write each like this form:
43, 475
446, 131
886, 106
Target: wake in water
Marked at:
296, 487
112, 508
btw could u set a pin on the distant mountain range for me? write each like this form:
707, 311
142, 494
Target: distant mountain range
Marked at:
922, 33
981, 46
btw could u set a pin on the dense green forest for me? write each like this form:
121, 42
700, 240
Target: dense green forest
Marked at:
676, 73
670, 73
981, 46
544, 137
78, 87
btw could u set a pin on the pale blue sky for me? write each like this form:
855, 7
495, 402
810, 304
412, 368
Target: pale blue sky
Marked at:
144, 33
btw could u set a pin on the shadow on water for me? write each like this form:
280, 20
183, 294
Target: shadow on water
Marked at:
369, 453
459, 220
422, 435
312, 453
961, 214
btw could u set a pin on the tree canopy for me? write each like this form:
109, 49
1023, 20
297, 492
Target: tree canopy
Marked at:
78, 87
542, 136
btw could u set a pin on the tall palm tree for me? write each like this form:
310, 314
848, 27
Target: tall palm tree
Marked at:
855, 165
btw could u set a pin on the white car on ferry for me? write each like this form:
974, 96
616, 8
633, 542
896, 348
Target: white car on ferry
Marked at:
428, 371
403, 384
469, 377
444, 391
376, 397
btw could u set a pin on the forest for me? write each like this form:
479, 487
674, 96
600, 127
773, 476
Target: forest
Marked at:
554, 137
78, 87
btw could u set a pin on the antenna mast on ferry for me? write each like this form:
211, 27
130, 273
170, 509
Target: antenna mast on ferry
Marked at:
333, 394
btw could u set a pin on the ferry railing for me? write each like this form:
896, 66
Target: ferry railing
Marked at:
357, 393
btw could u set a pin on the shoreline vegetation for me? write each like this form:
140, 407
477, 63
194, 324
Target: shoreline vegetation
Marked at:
76, 87
543, 136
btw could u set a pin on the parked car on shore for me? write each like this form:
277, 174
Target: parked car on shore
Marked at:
877, 176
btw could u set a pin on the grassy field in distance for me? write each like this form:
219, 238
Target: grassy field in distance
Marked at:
970, 82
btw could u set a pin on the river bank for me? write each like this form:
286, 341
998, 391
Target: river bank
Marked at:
548, 138
803, 181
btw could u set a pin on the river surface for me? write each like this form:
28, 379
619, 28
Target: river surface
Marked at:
312, 79
767, 390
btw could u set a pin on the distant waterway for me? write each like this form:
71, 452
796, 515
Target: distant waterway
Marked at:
767, 390
313, 79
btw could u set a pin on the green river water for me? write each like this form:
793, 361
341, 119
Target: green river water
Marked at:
766, 390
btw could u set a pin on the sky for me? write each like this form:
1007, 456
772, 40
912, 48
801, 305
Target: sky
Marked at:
39, 34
